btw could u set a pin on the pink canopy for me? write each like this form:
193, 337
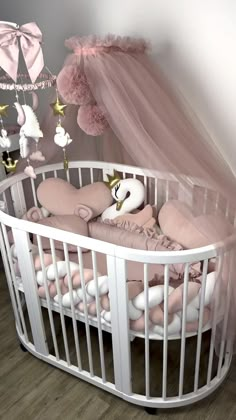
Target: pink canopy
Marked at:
119, 93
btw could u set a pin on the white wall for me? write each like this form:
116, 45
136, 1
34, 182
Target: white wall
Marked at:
195, 42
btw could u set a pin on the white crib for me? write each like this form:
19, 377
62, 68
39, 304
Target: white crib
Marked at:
37, 320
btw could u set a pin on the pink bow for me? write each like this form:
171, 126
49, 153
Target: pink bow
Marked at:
30, 40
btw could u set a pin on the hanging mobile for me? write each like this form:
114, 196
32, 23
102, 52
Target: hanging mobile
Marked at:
61, 137
28, 38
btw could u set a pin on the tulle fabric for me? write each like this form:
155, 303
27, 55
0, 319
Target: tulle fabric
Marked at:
150, 127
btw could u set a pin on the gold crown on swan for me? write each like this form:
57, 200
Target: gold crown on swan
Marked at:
112, 180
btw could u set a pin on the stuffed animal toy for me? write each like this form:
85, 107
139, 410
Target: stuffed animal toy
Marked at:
120, 188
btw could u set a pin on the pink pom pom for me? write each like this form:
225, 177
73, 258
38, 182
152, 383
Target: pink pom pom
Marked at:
73, 86
92, 120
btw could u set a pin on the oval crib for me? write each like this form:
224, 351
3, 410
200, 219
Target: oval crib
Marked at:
103, 349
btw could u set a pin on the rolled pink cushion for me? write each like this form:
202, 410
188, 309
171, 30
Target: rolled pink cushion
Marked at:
69, 223
139, 324
64, 288
80, 306
91, 307
105, 303
178, 223
59, 197
33, 215
175, 300
76, 278
47, 259
156, 315
53, 288
134, 288
42, 292
92, 310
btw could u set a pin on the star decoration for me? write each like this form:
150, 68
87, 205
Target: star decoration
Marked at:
3, 109
58, 107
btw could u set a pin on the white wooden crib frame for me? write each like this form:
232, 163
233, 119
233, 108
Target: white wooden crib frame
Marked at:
116, 257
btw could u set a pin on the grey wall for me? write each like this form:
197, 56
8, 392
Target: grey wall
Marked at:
194, 41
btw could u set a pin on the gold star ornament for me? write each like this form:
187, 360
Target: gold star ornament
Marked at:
3, 110
58, 107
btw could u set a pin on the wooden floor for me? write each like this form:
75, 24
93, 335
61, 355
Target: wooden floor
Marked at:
33, 390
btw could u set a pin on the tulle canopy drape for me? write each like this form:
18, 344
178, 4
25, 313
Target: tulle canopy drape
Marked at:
149, 124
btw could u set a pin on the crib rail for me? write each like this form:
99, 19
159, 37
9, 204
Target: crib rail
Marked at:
61, 331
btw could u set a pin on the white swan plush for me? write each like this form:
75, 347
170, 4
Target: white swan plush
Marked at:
119, 190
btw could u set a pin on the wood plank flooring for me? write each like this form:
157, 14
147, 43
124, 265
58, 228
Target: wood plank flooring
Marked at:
33, 390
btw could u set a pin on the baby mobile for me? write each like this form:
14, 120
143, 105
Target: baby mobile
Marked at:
27, 39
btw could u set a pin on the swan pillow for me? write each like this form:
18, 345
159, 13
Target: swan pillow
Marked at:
178, 223
59, 197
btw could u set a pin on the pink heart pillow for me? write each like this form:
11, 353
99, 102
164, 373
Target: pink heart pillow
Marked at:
59, 197
178, 223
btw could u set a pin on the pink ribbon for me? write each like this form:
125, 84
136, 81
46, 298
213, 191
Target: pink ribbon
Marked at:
30, 38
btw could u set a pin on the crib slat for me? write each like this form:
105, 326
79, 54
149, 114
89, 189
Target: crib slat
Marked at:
217, 202
33, 192
114, 307
205, 197
87, 327
5, 259
165, 340
91, 176
26, 265
62, 318
167, 190
67, 175
183, 333
227, 212
5, 202
80, 178
226, 313
146, 315
18, 199
155, 193
100, 339
214, 319
200, 323
228, 352
146, 190
13, 276
75, 330
122, 300
54, 339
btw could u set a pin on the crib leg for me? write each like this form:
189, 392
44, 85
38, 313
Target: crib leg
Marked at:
151, 410
23, 348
